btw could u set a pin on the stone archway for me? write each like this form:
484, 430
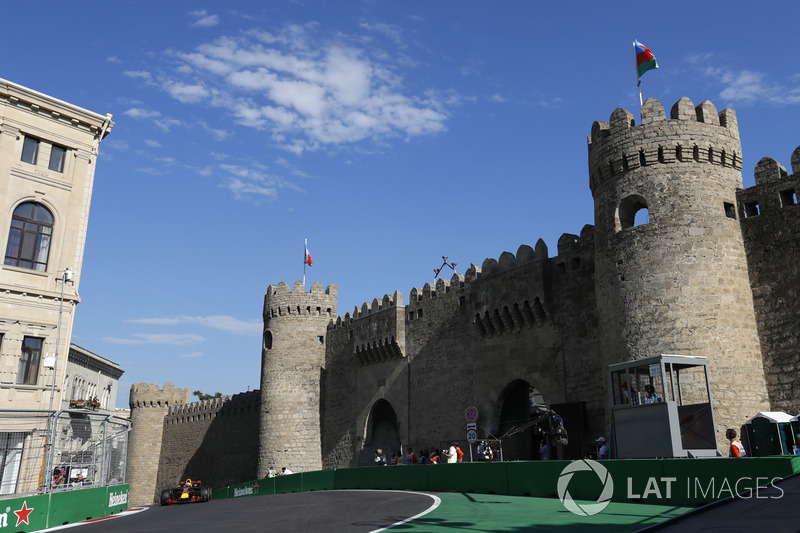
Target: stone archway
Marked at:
513, 412
382, 432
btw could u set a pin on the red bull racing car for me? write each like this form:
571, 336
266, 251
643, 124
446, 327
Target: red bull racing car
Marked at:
189, 492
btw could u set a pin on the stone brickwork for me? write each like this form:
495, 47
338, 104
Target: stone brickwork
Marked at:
770, 217
149, 405
214, 441
293, 359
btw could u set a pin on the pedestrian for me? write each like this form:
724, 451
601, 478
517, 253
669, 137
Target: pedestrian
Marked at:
602, 451
451, 454
736, 449
380, 459
544, 450
411, 457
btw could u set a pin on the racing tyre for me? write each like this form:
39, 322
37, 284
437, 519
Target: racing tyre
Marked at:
165, 497
205, 493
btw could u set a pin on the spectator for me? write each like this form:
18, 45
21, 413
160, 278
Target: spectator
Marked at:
285, 471
736, 449
271, 472
434, 457
451, 454
602, 451
380, 459
395, 459
411, 457
544, 450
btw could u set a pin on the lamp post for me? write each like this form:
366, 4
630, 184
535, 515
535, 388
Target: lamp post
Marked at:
66, 276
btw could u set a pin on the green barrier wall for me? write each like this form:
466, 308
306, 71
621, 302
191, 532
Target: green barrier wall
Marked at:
680, 482
34, 513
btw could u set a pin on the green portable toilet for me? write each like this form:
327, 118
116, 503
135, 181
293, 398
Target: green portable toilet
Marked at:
770, 433
796, 431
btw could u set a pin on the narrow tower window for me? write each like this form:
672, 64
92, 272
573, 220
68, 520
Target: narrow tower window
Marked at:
788, 197
633, 212
730, 210
751, 209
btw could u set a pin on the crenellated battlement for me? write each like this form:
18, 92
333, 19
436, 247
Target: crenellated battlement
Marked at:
241, 403
280, 300
775, 193
691, 135
151, 395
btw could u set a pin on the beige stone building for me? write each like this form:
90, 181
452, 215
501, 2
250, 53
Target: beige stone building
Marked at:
91, 382
48, 155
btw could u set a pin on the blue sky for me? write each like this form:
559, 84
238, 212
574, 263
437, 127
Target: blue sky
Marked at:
386, 133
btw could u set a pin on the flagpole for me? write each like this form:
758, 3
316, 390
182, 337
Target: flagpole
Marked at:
638, 79
305, 261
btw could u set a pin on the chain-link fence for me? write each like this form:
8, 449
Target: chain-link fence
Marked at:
47, 451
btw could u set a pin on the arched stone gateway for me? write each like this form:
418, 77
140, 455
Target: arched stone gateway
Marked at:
381, 432
512, 418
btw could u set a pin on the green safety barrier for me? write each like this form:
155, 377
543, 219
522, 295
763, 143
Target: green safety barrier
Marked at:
677, 482
34, 513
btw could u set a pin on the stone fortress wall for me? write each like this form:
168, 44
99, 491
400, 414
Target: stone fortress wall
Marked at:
712, 272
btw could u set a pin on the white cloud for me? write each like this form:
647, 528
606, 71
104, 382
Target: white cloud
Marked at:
307, 94
192, 355
138, 74
186, 93
220, 322
152, 144
185, 339
139, 113
747, 86
203, 19
241, 189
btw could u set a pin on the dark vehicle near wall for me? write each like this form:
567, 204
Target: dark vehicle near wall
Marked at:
188, 492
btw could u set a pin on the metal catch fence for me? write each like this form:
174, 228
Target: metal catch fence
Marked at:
48, 451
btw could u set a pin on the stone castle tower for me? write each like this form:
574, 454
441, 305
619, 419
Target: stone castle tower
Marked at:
678, 282
292, 361
149, 405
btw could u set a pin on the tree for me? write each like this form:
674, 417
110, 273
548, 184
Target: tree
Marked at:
203, 396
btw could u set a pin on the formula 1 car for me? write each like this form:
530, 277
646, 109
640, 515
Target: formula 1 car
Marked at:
189, 491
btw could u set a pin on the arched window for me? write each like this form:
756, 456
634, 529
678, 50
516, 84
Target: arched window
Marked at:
633, 211
29, 237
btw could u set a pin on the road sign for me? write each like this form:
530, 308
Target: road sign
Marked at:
471, 414
472, 425
472, 436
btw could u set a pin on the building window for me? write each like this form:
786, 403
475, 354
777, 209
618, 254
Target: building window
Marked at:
57, 158
29, 237
29, 361
10, 460
30, 150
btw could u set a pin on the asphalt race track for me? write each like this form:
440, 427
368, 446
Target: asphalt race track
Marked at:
341, 511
